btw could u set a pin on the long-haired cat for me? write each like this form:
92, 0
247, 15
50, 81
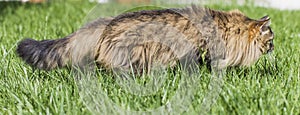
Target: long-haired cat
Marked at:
143, 39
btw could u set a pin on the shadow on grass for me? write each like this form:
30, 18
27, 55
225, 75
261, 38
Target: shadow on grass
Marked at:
265, 69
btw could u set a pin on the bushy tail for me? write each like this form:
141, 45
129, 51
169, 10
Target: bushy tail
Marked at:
76, 49
46, 54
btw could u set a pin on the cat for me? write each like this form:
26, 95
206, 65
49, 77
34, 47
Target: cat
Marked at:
144, 39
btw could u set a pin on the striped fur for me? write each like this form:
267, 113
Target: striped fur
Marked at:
146, 39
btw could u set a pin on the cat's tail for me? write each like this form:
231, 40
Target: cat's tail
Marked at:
77, 49
45, 54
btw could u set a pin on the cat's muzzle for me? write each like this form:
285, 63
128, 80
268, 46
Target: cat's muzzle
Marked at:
270, 50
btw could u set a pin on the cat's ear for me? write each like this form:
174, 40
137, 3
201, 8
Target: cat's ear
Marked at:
264, 22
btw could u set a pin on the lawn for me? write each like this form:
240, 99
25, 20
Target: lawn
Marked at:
271, 86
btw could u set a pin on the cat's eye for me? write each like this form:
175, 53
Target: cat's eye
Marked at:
270, 41
264, 28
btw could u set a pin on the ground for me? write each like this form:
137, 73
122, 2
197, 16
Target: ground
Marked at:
271, 86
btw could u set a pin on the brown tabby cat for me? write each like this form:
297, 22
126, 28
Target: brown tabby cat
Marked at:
146, 38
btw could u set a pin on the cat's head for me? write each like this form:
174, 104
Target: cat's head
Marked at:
257, 39
262, 35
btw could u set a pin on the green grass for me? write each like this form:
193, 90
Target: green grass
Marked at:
271, 86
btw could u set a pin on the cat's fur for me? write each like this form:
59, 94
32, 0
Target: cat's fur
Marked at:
145, 38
